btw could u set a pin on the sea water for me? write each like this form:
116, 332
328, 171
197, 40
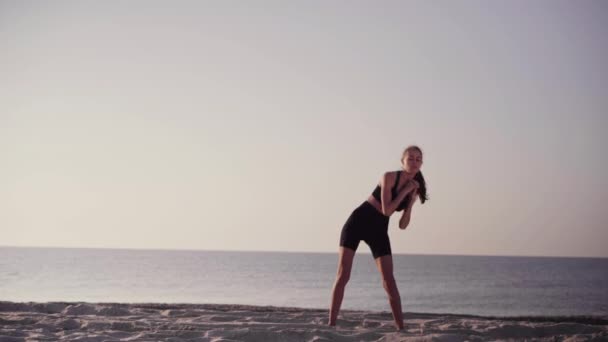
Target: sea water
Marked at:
479, 285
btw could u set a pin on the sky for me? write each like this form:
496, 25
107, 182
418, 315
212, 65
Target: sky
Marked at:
260, 126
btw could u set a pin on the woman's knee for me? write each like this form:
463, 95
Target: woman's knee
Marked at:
342, 278
389, 284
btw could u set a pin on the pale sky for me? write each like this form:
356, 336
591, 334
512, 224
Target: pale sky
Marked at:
261, 125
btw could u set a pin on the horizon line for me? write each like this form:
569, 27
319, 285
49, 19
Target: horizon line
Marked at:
306, 252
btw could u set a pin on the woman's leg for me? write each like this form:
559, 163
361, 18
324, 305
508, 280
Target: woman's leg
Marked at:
385, 266
345, 264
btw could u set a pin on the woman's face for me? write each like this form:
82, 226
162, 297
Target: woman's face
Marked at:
412, 161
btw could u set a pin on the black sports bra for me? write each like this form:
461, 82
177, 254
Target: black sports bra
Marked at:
394, 194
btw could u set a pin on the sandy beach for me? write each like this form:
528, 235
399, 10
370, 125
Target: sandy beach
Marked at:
213, 322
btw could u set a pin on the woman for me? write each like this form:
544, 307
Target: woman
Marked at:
397, 191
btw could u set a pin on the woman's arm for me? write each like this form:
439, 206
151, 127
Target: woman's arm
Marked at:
389, 205
405, 218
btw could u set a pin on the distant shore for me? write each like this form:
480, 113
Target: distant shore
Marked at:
80, 321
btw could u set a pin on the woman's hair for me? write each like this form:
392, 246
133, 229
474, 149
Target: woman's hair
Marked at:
418, 176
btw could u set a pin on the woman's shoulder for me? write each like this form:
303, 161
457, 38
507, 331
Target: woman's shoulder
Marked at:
389, 176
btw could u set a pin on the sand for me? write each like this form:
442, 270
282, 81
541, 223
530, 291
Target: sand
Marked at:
79, 321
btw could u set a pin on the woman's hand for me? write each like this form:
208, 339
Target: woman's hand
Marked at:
411, 186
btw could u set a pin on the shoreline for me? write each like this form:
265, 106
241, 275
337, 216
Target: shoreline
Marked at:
113, 321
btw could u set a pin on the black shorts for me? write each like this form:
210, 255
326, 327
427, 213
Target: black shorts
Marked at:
367, 224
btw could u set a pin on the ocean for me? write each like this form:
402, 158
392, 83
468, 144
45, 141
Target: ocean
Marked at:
477, 285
